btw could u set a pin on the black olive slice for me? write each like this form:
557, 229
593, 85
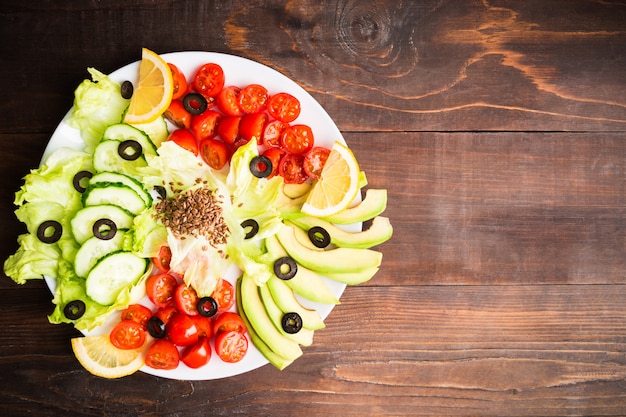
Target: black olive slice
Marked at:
161, 191
44, 235
74, 309
104, 229
156, 327
291, 323
261, 166
135, 150
319, 236
207, 306
126, 90
252, 225
285, 268
78, 180
195, 103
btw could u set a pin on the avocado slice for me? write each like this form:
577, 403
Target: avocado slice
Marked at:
374, 203
287, 302
353, 278
380, 231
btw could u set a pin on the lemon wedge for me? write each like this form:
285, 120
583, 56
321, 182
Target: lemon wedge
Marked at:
98, 355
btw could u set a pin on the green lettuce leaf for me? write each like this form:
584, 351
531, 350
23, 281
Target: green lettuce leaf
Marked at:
33, 260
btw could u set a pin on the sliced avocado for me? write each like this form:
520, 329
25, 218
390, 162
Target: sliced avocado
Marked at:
297, 190
353, 278
380, 231
287, 302
327, 261
374, 203
303, 237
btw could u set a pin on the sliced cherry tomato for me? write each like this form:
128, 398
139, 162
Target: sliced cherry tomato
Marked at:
182, 330
137, 313
162, 354
314, 161
128, 334
291, 169
252, 98
160, 289
197, 355
228, 322
227, 101
163, 259
275, 155
209, 80
228, 128
224, 294
178, 115
204, 125
231, 346
284, 107
180, 82
166, 313
272, 133
204, 325
252, 126
186, 299
297, 139
214, 152
184, 139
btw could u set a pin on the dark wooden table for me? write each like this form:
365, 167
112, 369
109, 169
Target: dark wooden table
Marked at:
499, 129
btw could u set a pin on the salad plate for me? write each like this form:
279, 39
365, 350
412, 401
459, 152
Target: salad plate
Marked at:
238, 72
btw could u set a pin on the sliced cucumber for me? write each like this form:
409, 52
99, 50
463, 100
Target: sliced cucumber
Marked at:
123, 131
157, 131
117, 194
118, 178
84, 219
95, 249
112, 274
106, 157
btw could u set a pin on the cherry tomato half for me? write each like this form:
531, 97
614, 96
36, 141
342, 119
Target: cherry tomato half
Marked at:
224, 295
214, 152
186, 299
272, 133
180, 82
178, 115
182, 330
209, 80
251, 127
198, 354
291, 169
228, 322
275, 155
204, 325
137, 313
252, 98
166, 313
204, 125
163, 259
227, 101
184, 139
162, 354
297, 139
161, 288
231, 346
284, 107
314, 161
128, 334
228, 128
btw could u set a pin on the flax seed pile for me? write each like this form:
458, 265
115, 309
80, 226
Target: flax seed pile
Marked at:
195, 212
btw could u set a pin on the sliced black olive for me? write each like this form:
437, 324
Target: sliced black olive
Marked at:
285, 268
195, 103
74, 309
127, 90
261, 166
78, 180
156, 327
291, 323
135, 150
207, 306
45, 236
161, 191
104, 229
252, 225
319, 236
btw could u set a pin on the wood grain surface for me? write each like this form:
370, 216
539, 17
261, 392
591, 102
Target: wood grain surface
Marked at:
498, 128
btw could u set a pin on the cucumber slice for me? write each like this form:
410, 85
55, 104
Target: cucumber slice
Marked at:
107, 158
112, 274
95, 249
123, 131
84, 219
157, 131
116, 194
117, 178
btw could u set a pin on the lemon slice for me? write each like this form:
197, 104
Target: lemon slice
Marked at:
337, 186
153, 93
101, 358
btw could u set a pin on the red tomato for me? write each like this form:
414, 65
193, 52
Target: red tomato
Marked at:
178, 115
252, 126
224, 295
228, 322
166, 313
197, 355
284, 107
186, 299
162, 354
228, 129
182, 330
272, 133
209, 80
275, 155
184, 139
128, 334
297, 139
180, 82
252, 98
204, 125
291, 169
227, 101
231, 346
314, 161
163, 259
137, 313
204, 325
215, 153
160, 289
